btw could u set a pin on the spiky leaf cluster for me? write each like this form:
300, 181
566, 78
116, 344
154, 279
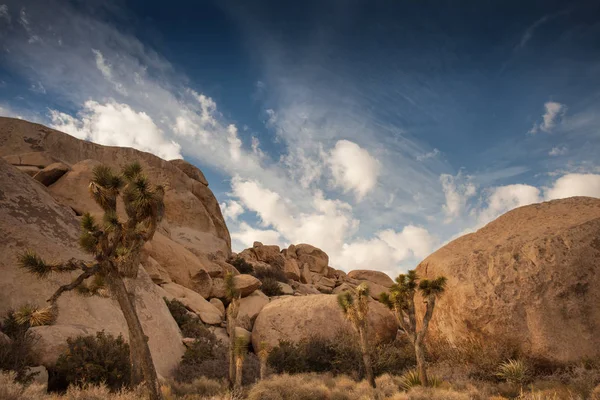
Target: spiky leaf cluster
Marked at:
355, 305
231, 291
402, 292
30, 315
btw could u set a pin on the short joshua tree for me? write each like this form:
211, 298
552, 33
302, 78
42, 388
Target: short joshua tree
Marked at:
401, 300
115, 246
356, 308
240, 351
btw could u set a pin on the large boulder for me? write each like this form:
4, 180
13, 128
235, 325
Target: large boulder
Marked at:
192, 214
316, 259
31, 218
250, 306
529, 277
246, 284
294, 318
207, 312
377, 277
51, 173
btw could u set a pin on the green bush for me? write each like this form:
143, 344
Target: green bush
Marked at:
339, 356
94, 360
241, 265
190, 327
263, 273
17, 355
271, 287
208, 358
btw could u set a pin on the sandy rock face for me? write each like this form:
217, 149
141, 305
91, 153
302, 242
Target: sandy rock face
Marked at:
31, 218
192, 214
530, 277
294, 318
377, 277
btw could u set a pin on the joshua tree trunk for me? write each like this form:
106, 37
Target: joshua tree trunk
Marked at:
420, 356
263, 368
366, 356
239, 364
142, 366
231, 331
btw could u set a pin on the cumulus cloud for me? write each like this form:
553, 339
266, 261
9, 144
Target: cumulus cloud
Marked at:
457, 190
353, 168
558, 151
231, 209
247, 235
574, 185
116, 124
504, 198
554, 112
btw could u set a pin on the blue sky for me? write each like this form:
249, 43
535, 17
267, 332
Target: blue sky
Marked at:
376, 130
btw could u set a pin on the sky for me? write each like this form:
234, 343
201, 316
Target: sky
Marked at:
375, 130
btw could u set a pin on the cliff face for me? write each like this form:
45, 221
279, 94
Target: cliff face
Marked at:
530, 277
42, 213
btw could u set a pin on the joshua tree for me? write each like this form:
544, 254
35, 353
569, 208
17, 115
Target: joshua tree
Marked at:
241, 350
263, 356
401, 300
116, 246
356, 309
233, 295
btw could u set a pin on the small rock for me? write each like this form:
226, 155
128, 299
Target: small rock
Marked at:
219, 304
246, 284
285, 288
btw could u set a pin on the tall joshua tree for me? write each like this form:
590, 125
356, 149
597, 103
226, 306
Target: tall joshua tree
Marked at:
356, 308
116, 246
233, 295
401, 300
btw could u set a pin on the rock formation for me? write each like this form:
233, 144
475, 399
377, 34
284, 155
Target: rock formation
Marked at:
530, 277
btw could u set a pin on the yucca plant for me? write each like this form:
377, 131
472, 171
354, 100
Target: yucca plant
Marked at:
116, 247
233, 295
30, 315
355, 306
513, 371
401, 300
411, 379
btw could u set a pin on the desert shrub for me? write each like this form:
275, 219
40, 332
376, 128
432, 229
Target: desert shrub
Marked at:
17, 355
514, 371
479, 358
339, 356
95, 359
263, 273
190, 327
241, 265
200, 386
289, 387
209, 358
271, 287
11, 389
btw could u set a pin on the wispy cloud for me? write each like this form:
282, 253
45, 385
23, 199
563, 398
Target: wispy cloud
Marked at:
425, 156
554, 112
558, 151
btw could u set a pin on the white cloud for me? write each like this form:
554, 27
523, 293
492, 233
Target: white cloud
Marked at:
24, 21
116, 124
247, 235
231, 209
425, 156
353, 168
457, 190
554, 112
504, 198
37, 87
235, 144
574, 185
4, 12
106, 69
558, 151
412, 240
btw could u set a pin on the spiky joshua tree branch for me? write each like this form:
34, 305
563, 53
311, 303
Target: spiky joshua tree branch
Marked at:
401, 300
115, 246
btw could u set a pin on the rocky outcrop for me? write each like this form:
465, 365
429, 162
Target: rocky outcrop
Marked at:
193, 217
529, 277
31, 218
294, 318
51, 173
